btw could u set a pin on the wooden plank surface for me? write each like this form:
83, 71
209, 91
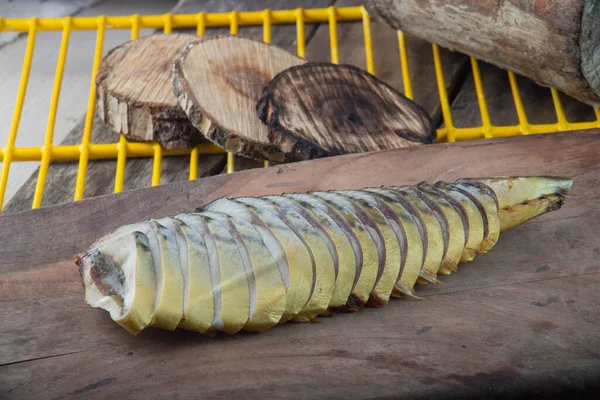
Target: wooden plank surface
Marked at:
525, 317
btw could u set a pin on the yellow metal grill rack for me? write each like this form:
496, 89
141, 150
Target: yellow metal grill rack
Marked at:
123, 149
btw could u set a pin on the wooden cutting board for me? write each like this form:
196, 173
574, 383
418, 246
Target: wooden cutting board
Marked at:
523, 318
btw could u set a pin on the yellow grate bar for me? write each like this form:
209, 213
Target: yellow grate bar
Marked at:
47, 148
366, 20
266, 39
122, 150
246, 18
8, 151
122, 147
89, 117
406, 83
300, 31
483, 109
234, 26
448, 131
333, 43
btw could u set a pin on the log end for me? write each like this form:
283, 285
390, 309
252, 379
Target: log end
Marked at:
320, 109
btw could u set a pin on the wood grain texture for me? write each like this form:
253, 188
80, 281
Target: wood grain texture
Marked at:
61, 176
322, 109
218, 82
553, 43
135, 93
523, 318
386, 59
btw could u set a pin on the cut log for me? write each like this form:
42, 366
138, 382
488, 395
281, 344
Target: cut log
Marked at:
218, 82
554, 43
322, 109
135, 95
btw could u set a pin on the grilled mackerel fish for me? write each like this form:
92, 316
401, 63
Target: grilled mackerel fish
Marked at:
252, 263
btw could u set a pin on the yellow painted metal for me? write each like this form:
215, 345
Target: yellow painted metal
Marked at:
266, 39
483, 110
122, 147
8, 151
406, 83
300, 31
47, 148
89, 117
366, 20
448, 131
122, 150
333, 42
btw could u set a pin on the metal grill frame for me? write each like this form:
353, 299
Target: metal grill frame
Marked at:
123, 149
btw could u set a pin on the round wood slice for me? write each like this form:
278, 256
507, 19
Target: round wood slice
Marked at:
322, 109
135, 93
218, 82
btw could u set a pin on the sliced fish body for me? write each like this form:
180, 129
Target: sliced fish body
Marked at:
435, 238
168, 311
523, 198
198, 306
330, 234
486, 201
292, 256
414, 254
350, 290
199, 225
235, 294
393, 235
476, 226
443, 224
320, 256
370, 239
267, 292
118, 276
222, 319
456, 228
251, 263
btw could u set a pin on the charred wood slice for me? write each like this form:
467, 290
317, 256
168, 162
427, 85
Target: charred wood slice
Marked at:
555, 43
250, 263
135, 95
321, 109
218, 82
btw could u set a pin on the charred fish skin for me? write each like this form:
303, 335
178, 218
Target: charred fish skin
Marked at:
225, 267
